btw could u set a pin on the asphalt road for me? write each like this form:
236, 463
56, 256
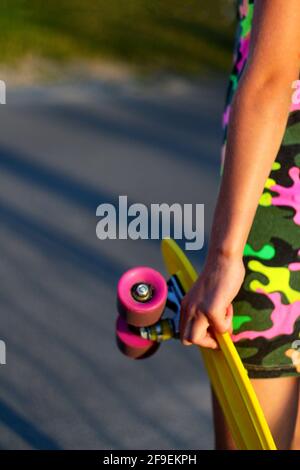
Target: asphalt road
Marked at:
64, 149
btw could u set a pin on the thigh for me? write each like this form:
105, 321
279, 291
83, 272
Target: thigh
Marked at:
279, 399
296, 439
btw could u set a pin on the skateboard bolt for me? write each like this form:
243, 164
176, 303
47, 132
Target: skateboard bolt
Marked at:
142, 292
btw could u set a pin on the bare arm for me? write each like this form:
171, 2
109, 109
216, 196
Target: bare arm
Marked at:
258, 119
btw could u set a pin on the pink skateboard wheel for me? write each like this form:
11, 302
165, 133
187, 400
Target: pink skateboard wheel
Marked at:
142, 296
131, 344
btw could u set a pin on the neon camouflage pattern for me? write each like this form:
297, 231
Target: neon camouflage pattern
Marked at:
266, 324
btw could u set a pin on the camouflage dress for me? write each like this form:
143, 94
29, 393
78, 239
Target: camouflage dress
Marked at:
267, 308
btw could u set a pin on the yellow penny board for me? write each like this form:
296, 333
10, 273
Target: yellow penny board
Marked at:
227, 374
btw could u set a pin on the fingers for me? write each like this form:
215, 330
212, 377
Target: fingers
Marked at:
198, 328
208, 342
186, 332
222, 322
194, 329
186, 315
198, 333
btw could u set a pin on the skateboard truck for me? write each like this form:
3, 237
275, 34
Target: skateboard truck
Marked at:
167, 328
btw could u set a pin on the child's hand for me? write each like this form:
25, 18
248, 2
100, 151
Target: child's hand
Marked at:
207, 306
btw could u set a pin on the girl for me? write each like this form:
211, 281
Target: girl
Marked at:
250, 284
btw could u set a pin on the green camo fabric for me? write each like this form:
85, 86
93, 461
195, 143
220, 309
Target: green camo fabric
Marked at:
267, 307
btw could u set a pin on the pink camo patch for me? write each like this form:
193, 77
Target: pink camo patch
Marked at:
244, 50
283, 317
244, 8
290, 196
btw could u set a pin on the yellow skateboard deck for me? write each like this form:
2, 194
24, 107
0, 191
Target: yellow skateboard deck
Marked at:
227, 374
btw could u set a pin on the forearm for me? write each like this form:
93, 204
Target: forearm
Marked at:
257, 124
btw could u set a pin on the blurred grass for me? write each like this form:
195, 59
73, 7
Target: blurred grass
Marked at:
182, 36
